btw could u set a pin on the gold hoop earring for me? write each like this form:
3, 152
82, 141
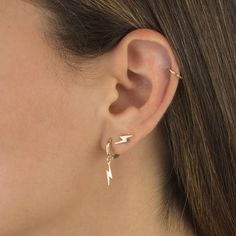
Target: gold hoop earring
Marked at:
176, 74
111, 156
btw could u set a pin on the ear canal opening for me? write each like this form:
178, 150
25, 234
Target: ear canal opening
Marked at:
136, 96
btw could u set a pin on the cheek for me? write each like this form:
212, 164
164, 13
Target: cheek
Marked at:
40, 152
42, 129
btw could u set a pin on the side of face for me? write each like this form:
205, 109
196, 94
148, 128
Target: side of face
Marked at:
45, 124
55, 119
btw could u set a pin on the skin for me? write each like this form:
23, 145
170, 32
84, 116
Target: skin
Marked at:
55, 121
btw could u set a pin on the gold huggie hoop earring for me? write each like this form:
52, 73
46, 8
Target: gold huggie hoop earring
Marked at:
111, 156
176, 74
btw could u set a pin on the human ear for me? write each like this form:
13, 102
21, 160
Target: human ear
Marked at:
142, 86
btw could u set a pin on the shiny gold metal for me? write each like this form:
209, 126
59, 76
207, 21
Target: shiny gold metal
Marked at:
124, 139
176, 74
110, 157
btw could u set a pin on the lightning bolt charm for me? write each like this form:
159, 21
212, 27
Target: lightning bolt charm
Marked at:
124, 139
109, 174
111, 156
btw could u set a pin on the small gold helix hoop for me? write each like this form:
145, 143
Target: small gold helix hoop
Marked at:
176, 74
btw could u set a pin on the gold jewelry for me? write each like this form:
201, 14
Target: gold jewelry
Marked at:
176, 74
111, 156
124, 139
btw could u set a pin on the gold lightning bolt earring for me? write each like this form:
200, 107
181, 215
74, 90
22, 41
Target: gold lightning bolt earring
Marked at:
111, 156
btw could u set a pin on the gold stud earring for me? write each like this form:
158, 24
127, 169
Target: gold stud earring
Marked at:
124, 139
111, 156
176, 74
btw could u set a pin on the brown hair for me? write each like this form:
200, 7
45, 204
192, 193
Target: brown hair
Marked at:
199, 125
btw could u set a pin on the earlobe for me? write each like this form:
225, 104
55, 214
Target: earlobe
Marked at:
152, 78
